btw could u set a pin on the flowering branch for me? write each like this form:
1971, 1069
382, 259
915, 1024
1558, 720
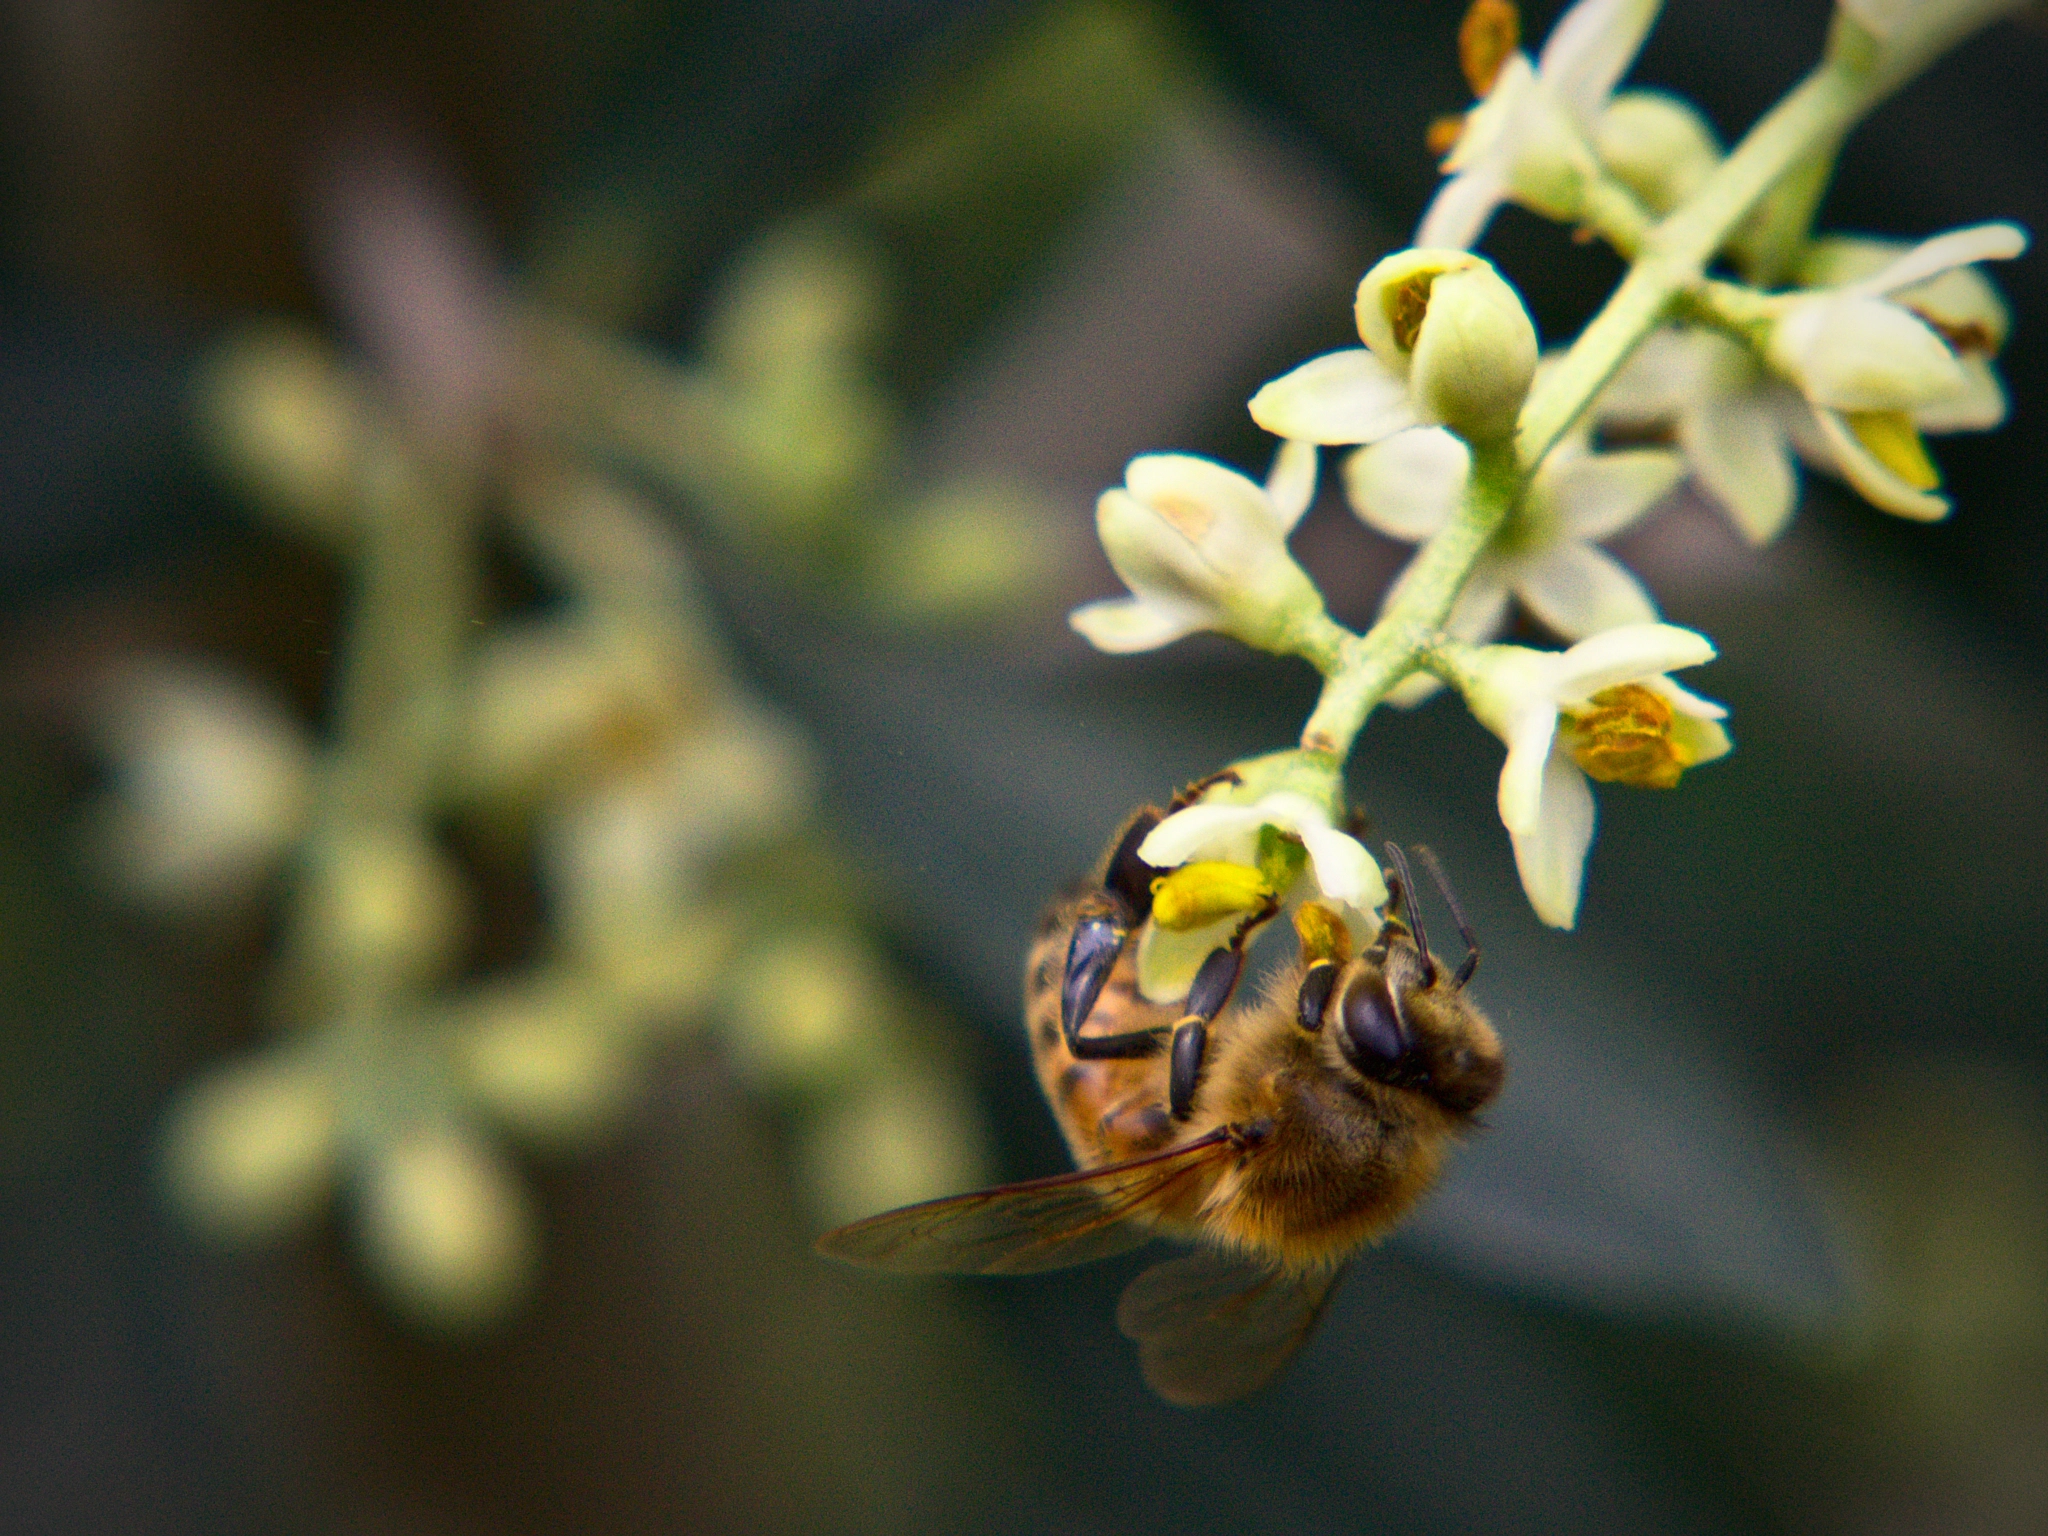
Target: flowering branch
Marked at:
1466, 446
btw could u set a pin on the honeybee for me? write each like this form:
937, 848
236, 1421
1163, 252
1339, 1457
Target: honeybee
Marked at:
1278, 1135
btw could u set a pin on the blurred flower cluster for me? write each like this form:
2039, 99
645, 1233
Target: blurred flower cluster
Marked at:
1509, 467
534, 709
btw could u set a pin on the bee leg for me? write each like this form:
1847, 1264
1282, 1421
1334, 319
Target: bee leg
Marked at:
1099, 935
1201, 787
1101, 927
1209, 996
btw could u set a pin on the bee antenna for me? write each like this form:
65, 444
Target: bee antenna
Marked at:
1436, 872
1411, 910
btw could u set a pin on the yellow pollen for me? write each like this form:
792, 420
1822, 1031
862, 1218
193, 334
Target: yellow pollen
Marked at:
1624, 737
1895, 442
1406, 303
1323, 934
1196, 895
1487, 38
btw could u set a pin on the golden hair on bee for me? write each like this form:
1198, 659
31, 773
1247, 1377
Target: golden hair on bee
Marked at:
1278, 1134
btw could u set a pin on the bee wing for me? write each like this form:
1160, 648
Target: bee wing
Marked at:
1041, 1224
1213, 1326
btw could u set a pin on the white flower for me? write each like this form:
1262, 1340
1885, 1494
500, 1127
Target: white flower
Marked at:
1603, 707
1409, 486
1732, 421
1867, 363
1529, 140
1202, 547
213, 782
1447, 342
1340, 873
1898, 347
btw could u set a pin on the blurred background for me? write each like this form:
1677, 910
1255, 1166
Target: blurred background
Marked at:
536, 718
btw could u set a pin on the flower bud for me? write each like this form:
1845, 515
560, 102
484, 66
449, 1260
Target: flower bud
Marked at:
385, 899
248, 1149
806, 1008
1657, 146
911, 1136
446, 1229
1852, 352
545, 1061
285, 420
1449, 324
214, 783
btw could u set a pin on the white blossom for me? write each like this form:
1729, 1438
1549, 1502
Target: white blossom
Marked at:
1547, 707
1447, 342
1409, 486
1529, 140
1202, 548
1340, 872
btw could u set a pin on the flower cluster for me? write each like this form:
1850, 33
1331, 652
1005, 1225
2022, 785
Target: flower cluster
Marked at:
1509, 468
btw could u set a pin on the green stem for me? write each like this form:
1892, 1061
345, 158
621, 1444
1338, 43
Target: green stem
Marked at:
1670, 263
1369, 665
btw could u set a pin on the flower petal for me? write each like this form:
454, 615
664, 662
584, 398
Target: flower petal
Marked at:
1551, 854
1877, 484
1123, 625
1596, 495
1852, 353
1736, 446
1957, 248
1661, 378
1684, 701
1224, 514
1463, 206
1590, 48
1208, 830
1408, 485
1481, 609
1578, 591
1980, 407
1291, 482
1531, 729
1626, 655
1344, 870
1340, 397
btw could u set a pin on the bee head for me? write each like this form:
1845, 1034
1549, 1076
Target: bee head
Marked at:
1399, 1020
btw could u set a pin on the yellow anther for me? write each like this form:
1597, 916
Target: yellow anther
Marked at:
1895, 441
1487, 38
1624, 737
1443, 135
1405, 304
1323, 934
1196, 895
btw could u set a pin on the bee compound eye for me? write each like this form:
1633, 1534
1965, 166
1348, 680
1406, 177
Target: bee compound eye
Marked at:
1372, 1029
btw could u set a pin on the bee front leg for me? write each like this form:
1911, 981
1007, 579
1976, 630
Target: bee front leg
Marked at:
1102, 925
1207, 997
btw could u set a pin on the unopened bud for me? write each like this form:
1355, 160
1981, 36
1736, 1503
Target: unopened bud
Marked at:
446, 1229
1657, 146
248, 1149
1447, 322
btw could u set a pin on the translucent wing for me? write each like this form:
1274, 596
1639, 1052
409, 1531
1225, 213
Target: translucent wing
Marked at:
1213, 1326
1043, 1224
